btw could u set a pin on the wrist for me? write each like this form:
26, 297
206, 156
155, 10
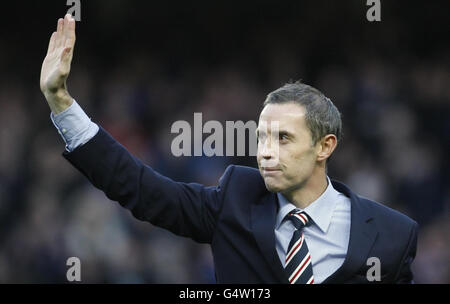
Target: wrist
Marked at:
59, 100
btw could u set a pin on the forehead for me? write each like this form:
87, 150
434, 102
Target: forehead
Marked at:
290, 115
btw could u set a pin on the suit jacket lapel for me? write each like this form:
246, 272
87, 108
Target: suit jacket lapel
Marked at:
263, 216
363, 233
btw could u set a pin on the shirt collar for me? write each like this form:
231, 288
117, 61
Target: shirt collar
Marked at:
320, 211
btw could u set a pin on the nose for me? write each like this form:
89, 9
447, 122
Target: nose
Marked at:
268, 153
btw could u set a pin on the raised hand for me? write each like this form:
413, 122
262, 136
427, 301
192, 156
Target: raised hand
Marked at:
56, 65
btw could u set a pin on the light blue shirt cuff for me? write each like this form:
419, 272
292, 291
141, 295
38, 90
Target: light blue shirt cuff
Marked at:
74, 126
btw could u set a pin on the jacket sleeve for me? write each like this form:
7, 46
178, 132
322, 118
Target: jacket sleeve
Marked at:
186, 209
404, 274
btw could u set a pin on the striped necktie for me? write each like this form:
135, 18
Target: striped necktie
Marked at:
298, 260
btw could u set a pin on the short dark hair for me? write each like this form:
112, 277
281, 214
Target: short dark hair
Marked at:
322, 116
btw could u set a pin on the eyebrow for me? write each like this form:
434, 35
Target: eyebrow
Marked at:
280, 132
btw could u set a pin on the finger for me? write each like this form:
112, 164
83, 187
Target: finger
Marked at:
70, 33
59, 32
66, 26
51, 44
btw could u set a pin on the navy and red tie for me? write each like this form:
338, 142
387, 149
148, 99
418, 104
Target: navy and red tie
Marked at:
298, 260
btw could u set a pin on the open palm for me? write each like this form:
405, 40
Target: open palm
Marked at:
56, 65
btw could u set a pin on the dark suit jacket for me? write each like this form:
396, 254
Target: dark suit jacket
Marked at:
237, 217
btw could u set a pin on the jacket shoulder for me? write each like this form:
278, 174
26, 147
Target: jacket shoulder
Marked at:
388, 219
242, 179
391, 219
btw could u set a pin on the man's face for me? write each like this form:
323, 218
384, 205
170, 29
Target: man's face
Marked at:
286, 157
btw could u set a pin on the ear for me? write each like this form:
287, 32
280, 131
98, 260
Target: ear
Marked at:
326, 146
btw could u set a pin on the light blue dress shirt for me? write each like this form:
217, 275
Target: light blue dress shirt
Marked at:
327, 236
74, 126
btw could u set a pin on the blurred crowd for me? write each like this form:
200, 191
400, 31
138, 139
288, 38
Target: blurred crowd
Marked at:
396, 116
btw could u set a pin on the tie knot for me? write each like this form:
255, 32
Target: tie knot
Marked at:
299, 218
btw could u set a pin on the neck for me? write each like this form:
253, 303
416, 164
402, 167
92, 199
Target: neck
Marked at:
308, 192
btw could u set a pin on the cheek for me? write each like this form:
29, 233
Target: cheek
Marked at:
297, 162
258, 156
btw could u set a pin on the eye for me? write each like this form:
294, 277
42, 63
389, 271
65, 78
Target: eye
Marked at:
283, 136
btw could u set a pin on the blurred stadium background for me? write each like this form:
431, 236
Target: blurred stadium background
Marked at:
139, 66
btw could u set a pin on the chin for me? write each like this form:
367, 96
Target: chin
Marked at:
273, 187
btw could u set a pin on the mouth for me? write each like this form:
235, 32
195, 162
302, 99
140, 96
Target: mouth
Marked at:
270, 171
